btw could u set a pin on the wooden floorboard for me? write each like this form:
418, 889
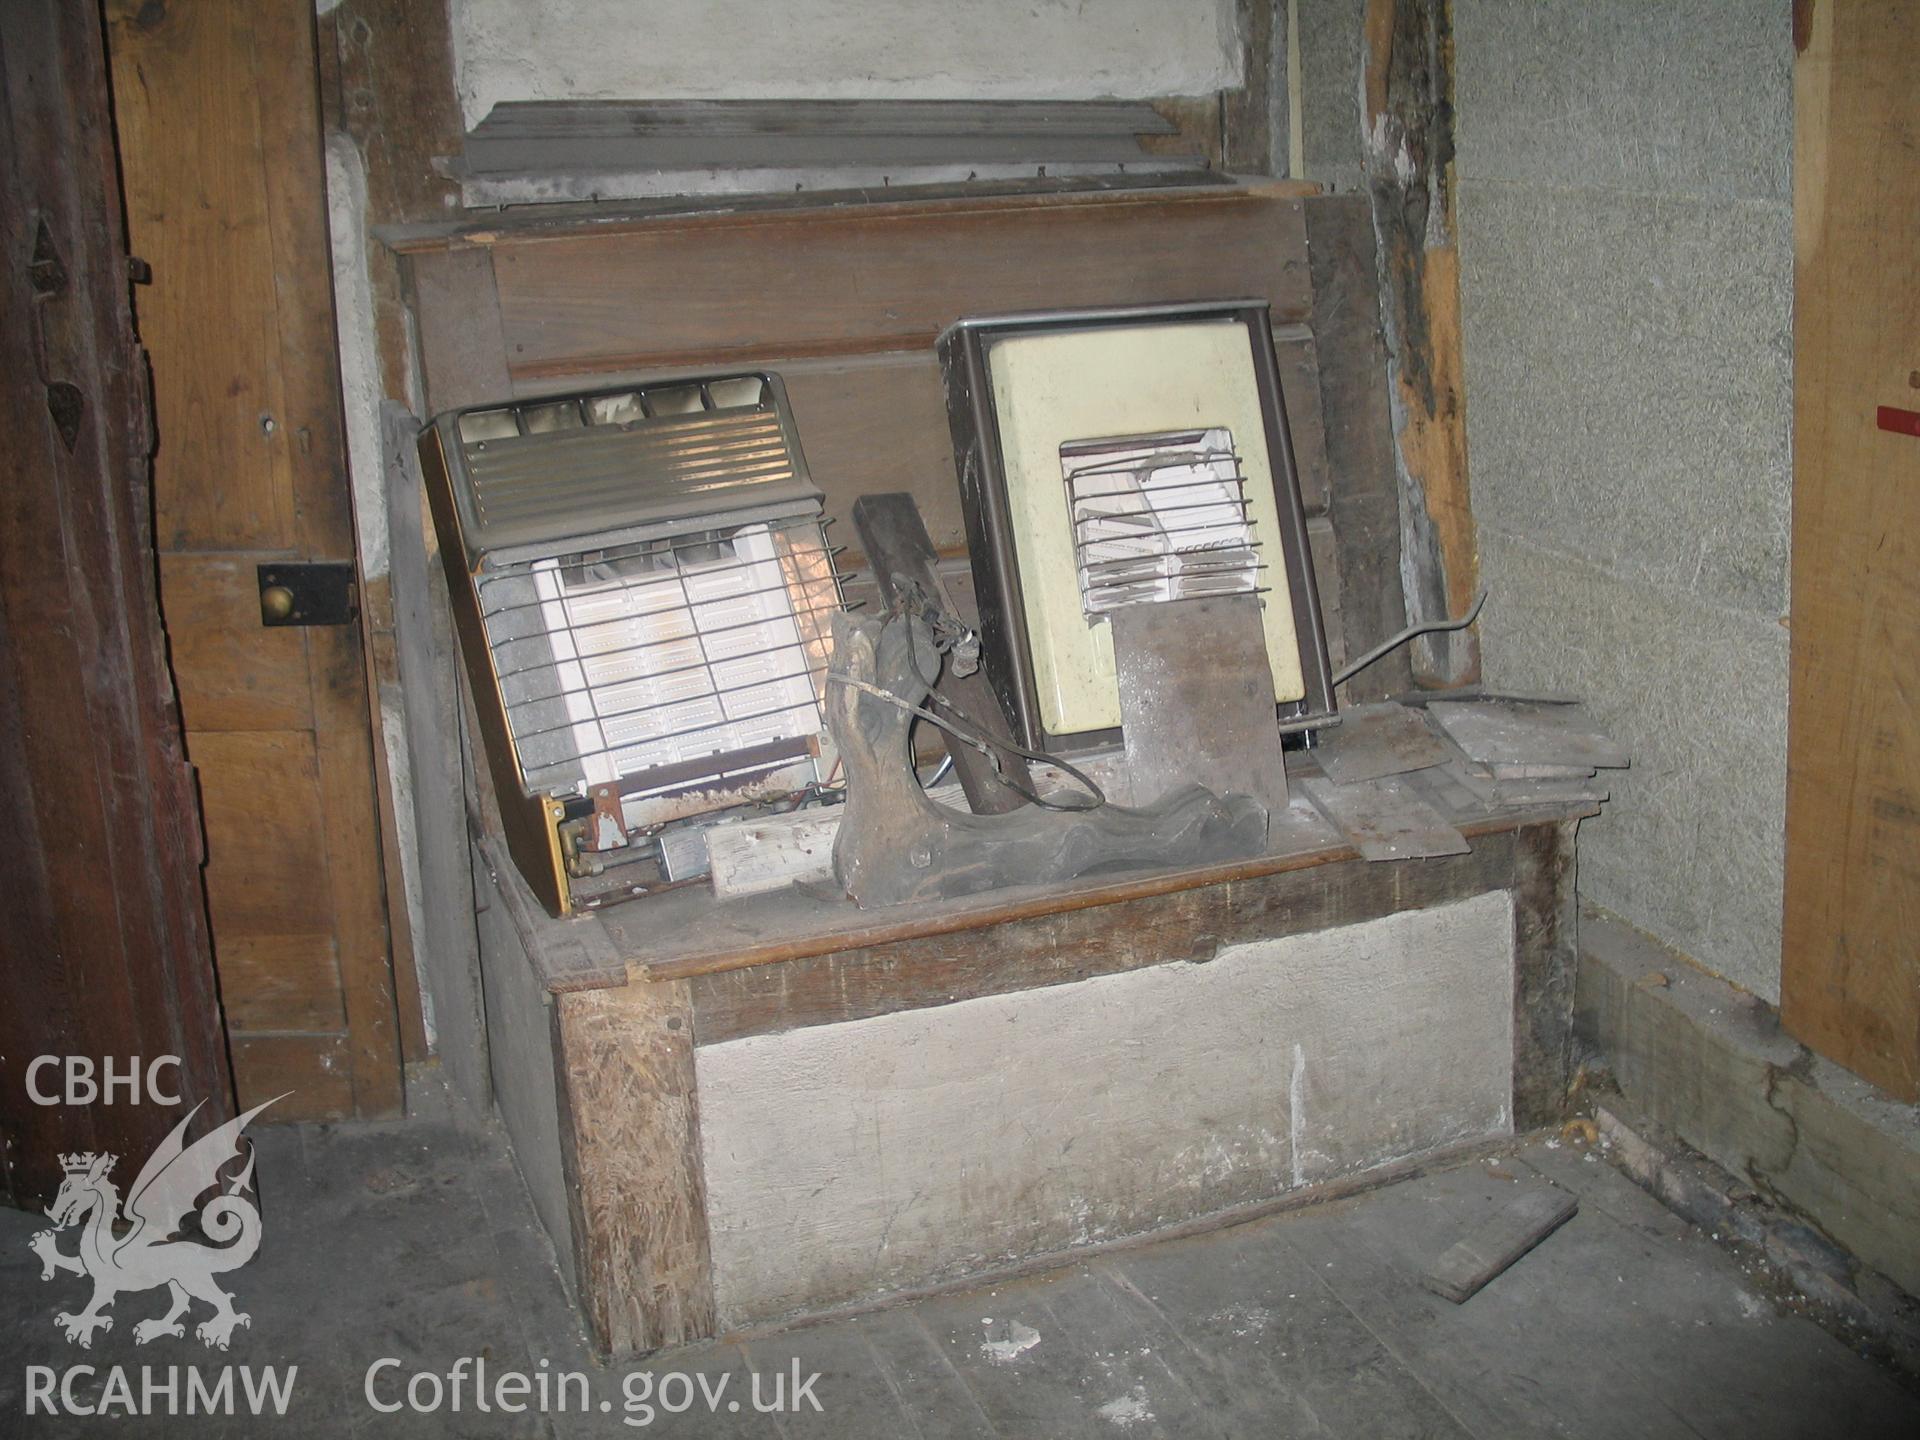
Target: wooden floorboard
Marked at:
415, 1241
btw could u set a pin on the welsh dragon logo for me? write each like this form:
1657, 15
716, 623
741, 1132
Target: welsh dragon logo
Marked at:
144, 1248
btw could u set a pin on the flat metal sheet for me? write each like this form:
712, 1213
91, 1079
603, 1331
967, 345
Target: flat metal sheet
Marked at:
1499, 733
1196, 699
1375, 740
1387, 819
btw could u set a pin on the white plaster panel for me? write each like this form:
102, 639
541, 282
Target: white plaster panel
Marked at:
839, 50
849, 1160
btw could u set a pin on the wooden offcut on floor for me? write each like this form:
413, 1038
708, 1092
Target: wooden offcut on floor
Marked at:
418, 1243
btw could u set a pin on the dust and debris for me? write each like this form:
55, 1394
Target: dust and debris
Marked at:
1127, 1410
1243, 1320
1753, 1307
1005, 1349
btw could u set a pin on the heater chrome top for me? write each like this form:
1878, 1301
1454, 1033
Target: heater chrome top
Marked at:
540, 478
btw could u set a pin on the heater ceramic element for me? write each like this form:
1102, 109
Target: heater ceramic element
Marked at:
644, 606
1112, 457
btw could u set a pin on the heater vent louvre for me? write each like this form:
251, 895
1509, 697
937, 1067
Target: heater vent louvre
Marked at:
546, 476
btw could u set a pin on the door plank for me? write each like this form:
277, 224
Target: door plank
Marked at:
220, 126
233, 673
198, 216
1850, 970
103, 935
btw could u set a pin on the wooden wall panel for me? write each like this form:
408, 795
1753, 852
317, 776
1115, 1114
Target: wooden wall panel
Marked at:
103, 932
708, 289
1850, 968
233, 674
218, 121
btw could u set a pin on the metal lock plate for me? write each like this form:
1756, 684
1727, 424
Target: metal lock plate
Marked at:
308, 593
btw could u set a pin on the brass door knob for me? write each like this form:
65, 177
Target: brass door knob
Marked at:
276, 603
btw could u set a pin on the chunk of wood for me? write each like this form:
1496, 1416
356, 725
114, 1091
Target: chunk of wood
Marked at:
1487, 1251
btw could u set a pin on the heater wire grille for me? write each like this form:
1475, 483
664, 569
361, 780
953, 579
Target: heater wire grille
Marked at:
1153, 522
617, 661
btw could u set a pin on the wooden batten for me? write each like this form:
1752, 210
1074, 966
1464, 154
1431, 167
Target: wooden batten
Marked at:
630, 1138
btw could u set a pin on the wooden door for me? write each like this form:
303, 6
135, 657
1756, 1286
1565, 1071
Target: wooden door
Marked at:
103, 937
1850, 971
218, 114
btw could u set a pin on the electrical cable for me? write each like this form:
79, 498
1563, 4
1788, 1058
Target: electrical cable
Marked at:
963, 729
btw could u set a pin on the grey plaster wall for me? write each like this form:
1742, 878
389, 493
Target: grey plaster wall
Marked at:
1625, 221
1330, 90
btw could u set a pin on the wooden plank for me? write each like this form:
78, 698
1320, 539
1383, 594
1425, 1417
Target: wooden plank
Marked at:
233, 673
426, 666
1407, 115
104, 920
858, 980
1486, 1251
199, 217
1246, 109
218, 102
387, 84
1388, 818
266, 851
462, 347
1363, 498
857, 281
314, 1074
282, 982
1324, 545
631, 1141
757, 856
1850, 974
351, 841
1297, 358
683, 933
875, 424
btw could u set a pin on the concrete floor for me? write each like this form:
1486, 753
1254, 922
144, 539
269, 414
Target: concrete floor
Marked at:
417, 1243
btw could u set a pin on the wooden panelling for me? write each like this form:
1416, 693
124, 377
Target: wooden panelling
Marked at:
1850, 970
1298, 359
1364, 494
234, 674
266, 861
631, 1140
706, 290
282, 982
104, 951
313, 1075
878, 424
198, 210
872, 414
219, 136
